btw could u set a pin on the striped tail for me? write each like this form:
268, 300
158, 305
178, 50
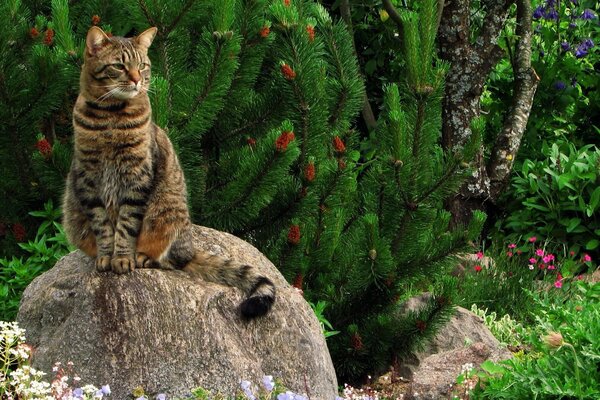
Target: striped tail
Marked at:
259, 289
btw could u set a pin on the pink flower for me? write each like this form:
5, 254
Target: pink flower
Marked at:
551, 267
532, 239
509, 253
571, 253
479, 255
539, 252
548, 257
580, 277
532, 260
558, 282
587, 258
477, 268
512, 246
542, 266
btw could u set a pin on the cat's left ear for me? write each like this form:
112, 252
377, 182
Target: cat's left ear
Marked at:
145, 38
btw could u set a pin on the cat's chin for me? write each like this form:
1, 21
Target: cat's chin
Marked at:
126, 95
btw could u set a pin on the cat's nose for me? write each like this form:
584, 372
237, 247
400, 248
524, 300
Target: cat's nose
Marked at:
134, 76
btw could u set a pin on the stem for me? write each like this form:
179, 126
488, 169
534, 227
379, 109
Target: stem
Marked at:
577, 376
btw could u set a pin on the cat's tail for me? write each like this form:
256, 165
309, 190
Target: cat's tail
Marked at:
259, 289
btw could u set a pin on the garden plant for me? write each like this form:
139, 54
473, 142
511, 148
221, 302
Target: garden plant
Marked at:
346, 141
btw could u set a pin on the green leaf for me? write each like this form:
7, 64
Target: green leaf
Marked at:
592, 244
574, 223
492, 368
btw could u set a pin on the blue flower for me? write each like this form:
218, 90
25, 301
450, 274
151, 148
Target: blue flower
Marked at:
572, 25
565, 46
105, 389
245, 385
78, 393
588, 14
588, 43
267, 382
551, 14
98, 394
560, 85
538, 12
286, 396
550, 3
161, 396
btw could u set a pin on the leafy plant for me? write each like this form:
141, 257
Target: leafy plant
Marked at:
565, 352
558, 197
507, 330
49, 245
319, 310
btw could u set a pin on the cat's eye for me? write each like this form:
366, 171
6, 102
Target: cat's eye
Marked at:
120, 67
143, 66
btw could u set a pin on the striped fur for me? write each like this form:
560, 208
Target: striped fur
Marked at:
125, 201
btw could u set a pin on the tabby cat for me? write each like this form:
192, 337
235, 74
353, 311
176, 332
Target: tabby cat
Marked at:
125, 201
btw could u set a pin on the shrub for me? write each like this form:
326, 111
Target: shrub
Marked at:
49, 245
565, 352
558, 197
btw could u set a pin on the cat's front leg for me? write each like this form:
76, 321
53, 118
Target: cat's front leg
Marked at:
127, 230
104, 232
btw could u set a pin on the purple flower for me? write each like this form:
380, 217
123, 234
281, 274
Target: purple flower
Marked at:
588, 14
267, 382
572, 25
105, 389
550, 3
560, 85
580, 52
573, 81
551, 14
98, 394
565, 46
588, 43
286, 396
542, 54
78, 393
161, 396
538, 12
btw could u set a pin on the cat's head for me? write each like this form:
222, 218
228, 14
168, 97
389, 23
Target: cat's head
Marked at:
116, 67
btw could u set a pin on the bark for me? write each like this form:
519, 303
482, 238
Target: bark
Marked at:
471, 64
525, 84
367, 111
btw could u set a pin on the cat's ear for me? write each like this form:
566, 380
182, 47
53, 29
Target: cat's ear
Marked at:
96, 38
145, 38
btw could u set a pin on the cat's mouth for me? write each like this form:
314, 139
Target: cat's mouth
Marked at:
127, 92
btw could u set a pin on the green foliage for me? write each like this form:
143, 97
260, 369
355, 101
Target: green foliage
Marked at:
558, 197
565, 350
319, 310
507, 330
49, 245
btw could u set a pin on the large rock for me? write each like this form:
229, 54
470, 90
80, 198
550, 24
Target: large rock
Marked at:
169, 333
463, 329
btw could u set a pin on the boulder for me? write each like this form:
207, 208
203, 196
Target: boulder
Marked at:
169, 333
431, 372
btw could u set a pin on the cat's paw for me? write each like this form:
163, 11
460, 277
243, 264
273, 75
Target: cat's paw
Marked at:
143, 261
102, 263
122, 264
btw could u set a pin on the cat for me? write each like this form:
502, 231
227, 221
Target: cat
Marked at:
125, 200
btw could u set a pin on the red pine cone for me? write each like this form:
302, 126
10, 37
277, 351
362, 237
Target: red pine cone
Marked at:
421, 325
264, 32
251, 142
33, 32
294, 235
298, 281
338, 145
44, 147
311, 32
19, 232
95, 20
288, 72
303, 191
309, 172
341, 164
49, 37
284, 140
287, 2
356, 341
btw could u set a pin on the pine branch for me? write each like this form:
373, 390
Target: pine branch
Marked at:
183, 11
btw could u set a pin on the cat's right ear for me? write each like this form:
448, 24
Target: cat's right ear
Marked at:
95, 40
